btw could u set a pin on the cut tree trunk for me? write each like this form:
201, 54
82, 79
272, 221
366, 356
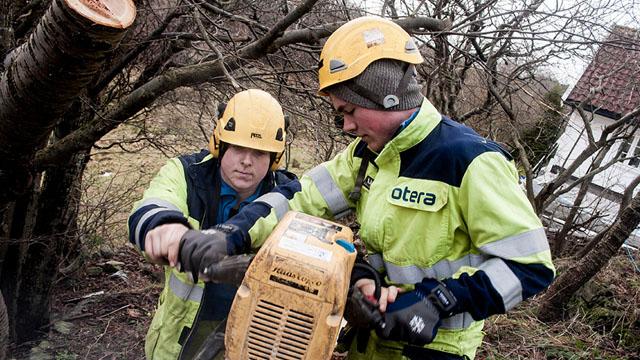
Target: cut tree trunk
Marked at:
558, 295
47, 73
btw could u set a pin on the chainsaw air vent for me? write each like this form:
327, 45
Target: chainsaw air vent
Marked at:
277, 332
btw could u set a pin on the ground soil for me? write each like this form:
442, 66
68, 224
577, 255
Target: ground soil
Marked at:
112, 323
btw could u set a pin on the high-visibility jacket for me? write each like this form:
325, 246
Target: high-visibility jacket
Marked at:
438, 201
183, 192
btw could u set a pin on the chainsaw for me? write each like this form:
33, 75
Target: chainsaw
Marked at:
291, 299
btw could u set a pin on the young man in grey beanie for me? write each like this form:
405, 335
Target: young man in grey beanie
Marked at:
441, 214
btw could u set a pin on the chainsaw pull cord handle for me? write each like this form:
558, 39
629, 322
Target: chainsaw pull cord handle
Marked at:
375, 276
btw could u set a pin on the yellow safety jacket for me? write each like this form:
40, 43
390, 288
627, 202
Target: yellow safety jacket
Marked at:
184, 191
438, 201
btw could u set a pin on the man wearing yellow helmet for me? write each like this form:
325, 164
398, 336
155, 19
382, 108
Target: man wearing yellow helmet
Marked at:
199, 191
440, 210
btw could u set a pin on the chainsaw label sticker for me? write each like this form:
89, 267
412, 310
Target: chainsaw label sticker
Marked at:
294, 241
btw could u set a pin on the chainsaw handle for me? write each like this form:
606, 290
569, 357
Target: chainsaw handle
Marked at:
229, 270
375, 276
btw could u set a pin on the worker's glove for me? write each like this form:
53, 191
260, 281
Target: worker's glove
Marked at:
415, 316
201, 249
362, 311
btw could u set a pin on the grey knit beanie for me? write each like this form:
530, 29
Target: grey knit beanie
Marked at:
375, 88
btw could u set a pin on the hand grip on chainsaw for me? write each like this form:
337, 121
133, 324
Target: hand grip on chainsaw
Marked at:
362, 311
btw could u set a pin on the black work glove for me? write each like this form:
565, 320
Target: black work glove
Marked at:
201, 249
415, 316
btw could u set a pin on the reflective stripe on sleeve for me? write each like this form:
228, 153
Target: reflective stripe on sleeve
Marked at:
330, 191
183, 290
528, 243
443, 269
142, 220
158, 202
277, 201
375, 260
504, 281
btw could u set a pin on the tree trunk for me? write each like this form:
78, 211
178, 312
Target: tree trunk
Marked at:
557, 296
46, 74
53, 233
18, 219
52, 230
4, 329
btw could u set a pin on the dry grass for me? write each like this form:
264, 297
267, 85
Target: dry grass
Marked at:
587, 332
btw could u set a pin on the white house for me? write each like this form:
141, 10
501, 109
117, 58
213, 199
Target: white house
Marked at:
615, 71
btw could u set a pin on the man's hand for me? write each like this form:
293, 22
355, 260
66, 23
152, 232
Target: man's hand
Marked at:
362, 312
387, 294
200, 250
162, 243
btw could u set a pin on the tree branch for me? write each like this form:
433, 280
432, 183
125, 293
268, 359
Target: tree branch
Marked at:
185, 76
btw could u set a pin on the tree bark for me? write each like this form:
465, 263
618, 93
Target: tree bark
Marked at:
19, 221
53, 235
45, 76
558, 295
4, 329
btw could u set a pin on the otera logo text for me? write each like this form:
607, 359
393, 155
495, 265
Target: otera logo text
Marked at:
413, 196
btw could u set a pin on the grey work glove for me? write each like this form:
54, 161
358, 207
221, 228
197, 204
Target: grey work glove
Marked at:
201, 249
415, 316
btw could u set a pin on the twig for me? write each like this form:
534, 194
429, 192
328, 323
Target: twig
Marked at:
97, 293
205, 34
98, 339
114, 311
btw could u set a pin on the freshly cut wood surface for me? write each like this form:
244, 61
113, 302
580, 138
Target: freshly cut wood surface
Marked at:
111, 13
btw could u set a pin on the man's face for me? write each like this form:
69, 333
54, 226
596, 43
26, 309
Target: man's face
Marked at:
375, 127
243, 168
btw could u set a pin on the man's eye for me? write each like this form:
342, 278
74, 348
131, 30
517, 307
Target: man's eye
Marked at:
338, 120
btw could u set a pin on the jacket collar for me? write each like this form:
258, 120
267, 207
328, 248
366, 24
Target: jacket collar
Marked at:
425, 121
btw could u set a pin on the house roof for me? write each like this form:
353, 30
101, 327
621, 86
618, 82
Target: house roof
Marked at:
616, 68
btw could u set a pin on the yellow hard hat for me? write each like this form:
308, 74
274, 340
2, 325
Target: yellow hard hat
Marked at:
252, 119
358, 43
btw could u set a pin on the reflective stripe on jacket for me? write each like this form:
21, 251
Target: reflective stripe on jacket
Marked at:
183, 192
438, 201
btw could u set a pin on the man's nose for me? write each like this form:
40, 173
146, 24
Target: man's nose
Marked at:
246, 158
349, 126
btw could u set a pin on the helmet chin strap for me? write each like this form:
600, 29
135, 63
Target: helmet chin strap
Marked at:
355, 194
390, 100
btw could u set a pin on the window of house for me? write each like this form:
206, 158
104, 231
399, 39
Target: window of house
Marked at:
631, 147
